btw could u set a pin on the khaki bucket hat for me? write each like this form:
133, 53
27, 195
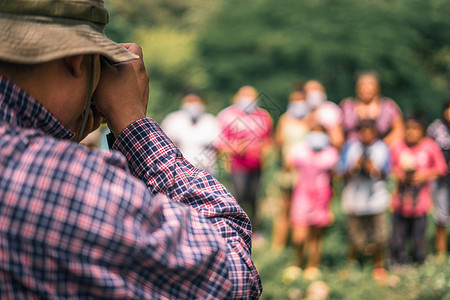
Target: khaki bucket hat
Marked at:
35, 31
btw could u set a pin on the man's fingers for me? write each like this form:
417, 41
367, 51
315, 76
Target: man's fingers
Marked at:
122, 93
134, 48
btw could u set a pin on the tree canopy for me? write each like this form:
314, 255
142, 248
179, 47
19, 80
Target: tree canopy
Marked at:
216, 47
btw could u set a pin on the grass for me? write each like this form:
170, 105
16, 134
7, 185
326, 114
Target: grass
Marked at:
428, 281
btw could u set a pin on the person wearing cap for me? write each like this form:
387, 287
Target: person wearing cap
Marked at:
138, 222
194, 131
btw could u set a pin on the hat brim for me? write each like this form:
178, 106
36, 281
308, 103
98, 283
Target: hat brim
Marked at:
31, 39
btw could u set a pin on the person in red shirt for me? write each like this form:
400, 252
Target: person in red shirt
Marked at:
245, 137
416, 161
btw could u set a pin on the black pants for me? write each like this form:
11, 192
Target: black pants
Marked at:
402, 230
245, 187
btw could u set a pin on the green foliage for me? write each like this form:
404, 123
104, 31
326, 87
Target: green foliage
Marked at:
272, 44
218, 46
170, 57
166, 31
179, 14
353, 282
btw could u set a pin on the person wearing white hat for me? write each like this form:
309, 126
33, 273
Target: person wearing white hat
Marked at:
138, 222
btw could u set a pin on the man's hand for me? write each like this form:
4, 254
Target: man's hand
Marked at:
122, 93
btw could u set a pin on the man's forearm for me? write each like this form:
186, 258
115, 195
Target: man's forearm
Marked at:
155, 160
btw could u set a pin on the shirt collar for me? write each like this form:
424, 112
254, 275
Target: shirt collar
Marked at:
18, 108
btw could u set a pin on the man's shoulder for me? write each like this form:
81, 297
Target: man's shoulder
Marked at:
29, 146
42, 167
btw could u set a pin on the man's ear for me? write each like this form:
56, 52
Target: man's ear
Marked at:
74, 64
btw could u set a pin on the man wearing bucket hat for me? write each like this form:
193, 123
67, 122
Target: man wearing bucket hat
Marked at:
139, 222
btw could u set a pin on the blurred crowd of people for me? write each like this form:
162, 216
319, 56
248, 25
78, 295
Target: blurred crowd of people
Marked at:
365, 141
387, 161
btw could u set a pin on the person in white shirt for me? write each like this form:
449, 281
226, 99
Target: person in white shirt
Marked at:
194, 131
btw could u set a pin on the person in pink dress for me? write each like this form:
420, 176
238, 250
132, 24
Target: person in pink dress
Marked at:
245, 137
417, 160
313, 159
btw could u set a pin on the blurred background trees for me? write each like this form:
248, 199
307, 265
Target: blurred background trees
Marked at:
217, 46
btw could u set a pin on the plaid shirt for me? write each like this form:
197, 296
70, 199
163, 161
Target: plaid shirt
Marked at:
74, 223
